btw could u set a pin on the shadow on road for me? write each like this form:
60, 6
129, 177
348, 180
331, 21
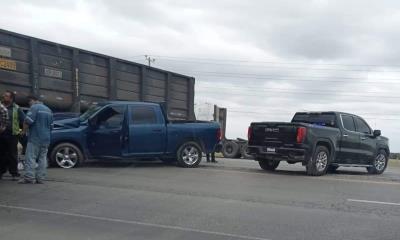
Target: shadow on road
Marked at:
127, 164
296, 172
289, 170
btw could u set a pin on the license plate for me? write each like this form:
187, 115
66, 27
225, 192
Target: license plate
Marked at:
8, 64
270, 149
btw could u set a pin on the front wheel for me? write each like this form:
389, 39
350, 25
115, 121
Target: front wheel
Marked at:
189, 155
380, 163
66, 155
268, 165
318, 164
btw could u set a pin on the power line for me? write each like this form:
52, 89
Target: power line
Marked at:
283, 67
277, 90
261, 113
300, 80
261, 89
280, 112
323, 79
307, 94
295, 78
213, 60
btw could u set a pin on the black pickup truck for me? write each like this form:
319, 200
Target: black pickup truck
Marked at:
321, 141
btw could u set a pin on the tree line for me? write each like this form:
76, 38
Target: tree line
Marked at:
395, 156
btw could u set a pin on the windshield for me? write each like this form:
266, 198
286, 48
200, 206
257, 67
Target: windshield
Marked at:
322, 119
89, 112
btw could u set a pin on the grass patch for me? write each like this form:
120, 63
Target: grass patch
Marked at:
394, 163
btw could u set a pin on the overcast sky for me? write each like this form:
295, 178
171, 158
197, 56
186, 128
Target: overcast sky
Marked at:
263, 60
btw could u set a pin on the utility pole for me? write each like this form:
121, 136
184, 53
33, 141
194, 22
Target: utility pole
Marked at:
149, 60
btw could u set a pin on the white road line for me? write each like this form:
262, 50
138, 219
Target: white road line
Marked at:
374, 202
305, 177
116, 220
359, 181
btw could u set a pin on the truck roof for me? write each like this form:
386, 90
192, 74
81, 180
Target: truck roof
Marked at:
319, 112
129, 102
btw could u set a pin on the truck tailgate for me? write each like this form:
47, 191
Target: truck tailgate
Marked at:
273, 134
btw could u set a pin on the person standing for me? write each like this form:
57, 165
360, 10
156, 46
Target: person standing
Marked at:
211, 157
10, 136
38, 124
3, 125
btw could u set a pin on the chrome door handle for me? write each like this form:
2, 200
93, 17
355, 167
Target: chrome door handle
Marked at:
363, 138
345, 135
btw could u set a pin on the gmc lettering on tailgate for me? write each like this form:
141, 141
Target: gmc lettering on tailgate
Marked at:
273, 130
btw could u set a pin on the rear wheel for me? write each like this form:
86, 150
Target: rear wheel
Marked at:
230, 149
66, 155
245, 153
268, 165
380, 163
189, 155
318, 165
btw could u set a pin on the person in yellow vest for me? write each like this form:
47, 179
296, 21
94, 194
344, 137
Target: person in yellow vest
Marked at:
10, 136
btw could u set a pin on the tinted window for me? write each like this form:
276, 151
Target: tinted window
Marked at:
323, 119
362, 127
348, 123
143, 115
111, 117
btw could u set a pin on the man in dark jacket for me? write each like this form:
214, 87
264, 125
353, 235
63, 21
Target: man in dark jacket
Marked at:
9, 138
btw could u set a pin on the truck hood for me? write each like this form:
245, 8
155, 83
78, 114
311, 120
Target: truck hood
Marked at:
383, 138
67, 123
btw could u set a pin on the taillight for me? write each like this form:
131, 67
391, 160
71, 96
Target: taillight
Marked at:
249, 133
301, 134
219, 134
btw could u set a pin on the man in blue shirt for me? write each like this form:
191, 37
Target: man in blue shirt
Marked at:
38, 123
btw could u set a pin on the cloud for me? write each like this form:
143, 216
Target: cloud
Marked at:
263, 60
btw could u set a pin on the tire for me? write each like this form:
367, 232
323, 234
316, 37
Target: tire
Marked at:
379, 164
66, 155
245, 153
189, 155
268, 165
230, 149
332, 169
318, 165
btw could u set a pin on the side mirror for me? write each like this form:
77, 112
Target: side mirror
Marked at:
377, 133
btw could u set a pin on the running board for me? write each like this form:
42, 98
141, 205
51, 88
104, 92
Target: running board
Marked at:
350, 165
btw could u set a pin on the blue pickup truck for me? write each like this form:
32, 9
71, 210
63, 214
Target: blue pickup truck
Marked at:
129, 130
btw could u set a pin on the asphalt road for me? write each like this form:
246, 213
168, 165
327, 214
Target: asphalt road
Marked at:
233, 199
